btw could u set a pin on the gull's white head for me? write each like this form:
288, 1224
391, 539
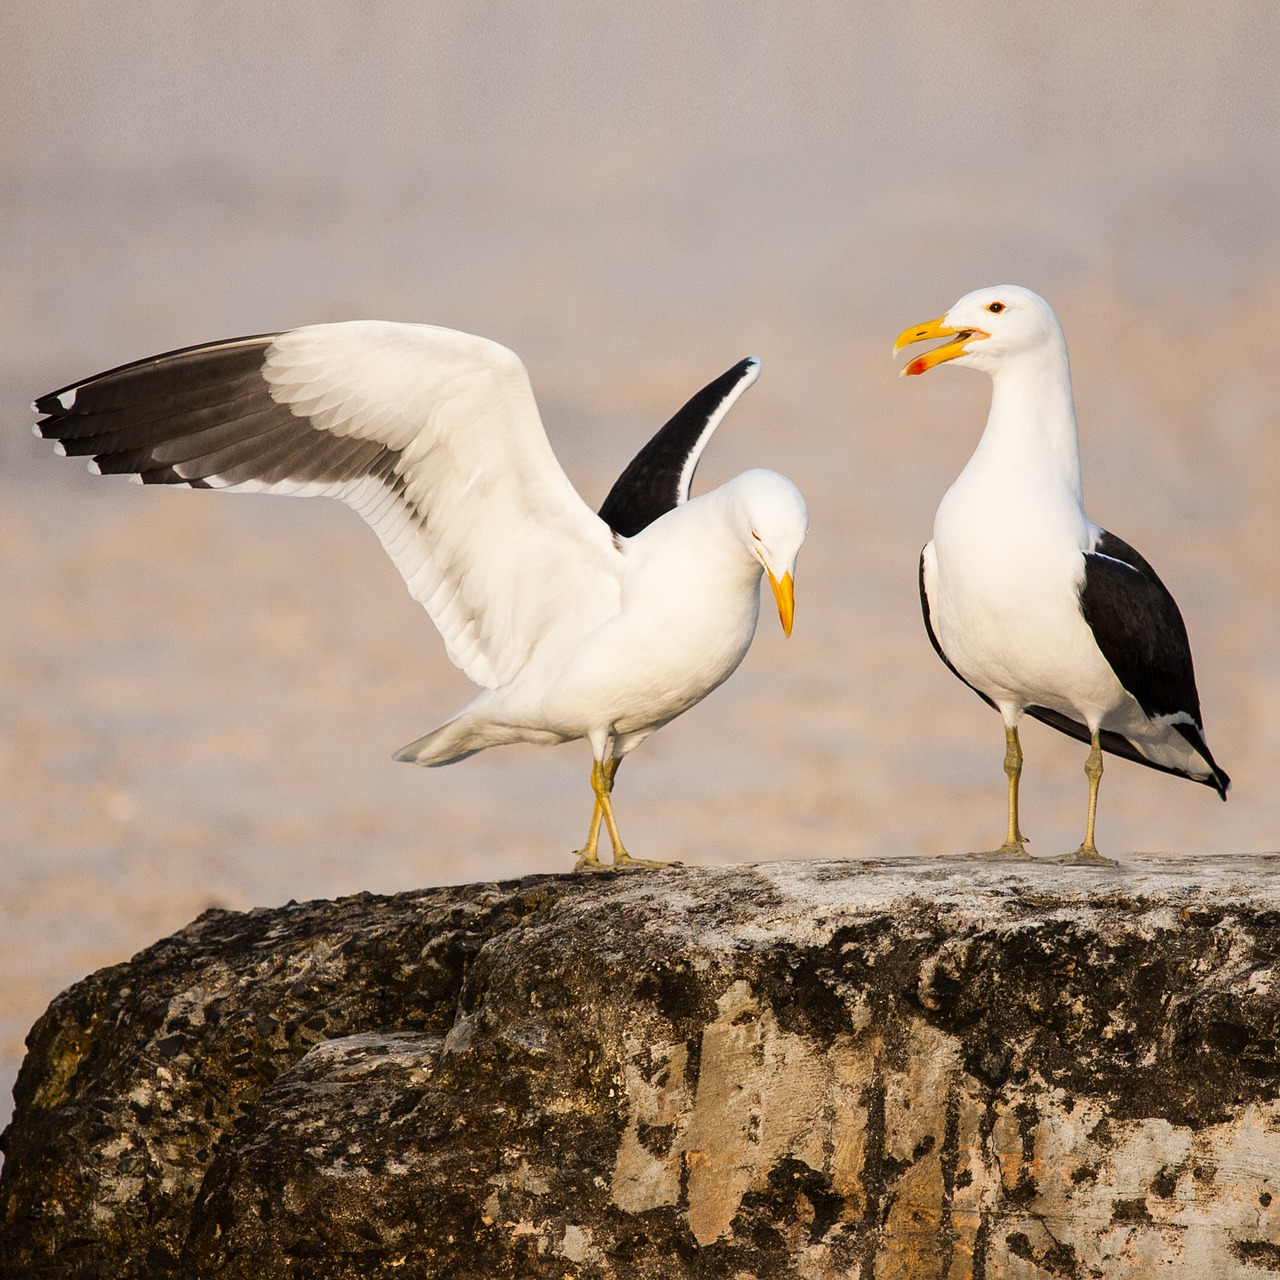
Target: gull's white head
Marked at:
772, 520
986, 328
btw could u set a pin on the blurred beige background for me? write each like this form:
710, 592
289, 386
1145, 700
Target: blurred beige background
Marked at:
201, 692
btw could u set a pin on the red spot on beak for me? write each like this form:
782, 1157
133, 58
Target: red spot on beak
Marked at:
916, 366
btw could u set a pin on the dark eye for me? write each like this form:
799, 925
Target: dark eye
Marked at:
996, 308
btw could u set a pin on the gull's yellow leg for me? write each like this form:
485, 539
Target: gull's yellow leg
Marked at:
1092, 771
1013, 768
1014, 847
1087, 854
588, 855
602, 776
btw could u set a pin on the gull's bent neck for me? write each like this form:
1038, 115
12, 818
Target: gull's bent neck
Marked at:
1032, 417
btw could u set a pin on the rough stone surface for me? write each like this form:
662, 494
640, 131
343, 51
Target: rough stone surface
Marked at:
866, 1069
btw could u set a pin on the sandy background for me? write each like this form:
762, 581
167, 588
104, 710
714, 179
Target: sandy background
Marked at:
201, 692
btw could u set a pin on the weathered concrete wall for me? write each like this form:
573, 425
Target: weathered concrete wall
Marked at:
786, 1070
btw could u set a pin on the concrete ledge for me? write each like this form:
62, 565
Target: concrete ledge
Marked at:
888, 1069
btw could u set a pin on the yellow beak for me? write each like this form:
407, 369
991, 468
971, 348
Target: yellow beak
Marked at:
934, 329
784, 594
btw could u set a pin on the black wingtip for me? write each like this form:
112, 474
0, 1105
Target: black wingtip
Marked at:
1217, 779
52, 405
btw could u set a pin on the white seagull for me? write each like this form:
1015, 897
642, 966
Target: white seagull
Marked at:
572, 628
1030, 603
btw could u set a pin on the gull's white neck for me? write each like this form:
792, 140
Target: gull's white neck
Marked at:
1031, 428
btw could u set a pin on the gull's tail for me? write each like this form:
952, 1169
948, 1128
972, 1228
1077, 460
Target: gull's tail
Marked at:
454, 740
476, 727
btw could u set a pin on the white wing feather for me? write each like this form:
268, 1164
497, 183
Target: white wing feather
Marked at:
489, 534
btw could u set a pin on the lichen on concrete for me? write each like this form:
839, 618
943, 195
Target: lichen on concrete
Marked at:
872, 1069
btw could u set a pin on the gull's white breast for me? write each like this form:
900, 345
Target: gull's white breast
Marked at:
1007, 567
689, 608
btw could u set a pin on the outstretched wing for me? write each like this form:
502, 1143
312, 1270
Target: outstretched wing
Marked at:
658, 477
433, 436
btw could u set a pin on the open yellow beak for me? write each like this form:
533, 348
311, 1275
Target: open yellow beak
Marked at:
784, 594
934, 329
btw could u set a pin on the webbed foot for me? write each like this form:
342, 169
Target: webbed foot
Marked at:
1082, 857
1010, 851
623, 861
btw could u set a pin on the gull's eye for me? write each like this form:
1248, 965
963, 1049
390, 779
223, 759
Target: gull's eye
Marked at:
996, 308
